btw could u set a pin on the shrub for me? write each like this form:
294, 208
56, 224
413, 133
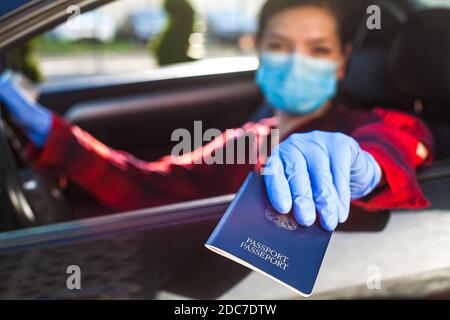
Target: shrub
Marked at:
23, 59
172, 45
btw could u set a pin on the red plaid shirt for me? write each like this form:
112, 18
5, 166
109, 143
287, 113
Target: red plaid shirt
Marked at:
121, 181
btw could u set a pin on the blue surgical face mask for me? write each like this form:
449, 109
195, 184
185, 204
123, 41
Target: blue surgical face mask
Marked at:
295, 83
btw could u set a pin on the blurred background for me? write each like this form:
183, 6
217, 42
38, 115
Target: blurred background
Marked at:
136, 35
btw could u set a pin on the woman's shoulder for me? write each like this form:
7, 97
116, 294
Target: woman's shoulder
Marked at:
395, 115
377, 114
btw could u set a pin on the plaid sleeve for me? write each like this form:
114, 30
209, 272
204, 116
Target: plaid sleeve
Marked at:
394, 142
120, 181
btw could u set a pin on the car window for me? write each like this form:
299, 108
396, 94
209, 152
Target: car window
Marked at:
437, 3
128, 35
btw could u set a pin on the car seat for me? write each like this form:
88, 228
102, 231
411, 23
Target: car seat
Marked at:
419, 69
367, 82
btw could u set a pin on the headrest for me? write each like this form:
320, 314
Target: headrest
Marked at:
419, 64
367, 79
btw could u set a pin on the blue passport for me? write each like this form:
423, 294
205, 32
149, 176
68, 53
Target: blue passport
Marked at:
253, 234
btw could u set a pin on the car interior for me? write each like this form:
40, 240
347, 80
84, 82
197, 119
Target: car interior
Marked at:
137, 115
138, 112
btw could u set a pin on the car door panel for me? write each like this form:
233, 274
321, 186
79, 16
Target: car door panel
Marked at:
126, 248
123, 255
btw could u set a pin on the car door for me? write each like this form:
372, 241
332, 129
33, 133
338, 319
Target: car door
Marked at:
160, 250
126, 255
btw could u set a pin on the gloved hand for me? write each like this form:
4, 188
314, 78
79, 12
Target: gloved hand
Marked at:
319, 170
33, 118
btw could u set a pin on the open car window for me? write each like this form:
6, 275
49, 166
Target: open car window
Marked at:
126, 36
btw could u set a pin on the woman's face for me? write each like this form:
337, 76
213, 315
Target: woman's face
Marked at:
306, 30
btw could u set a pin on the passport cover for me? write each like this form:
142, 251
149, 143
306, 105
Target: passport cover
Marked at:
253, 234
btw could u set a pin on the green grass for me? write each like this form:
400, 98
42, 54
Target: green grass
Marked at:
48, 46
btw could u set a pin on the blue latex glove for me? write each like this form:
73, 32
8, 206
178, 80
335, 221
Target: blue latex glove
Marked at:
319, 170
32, 118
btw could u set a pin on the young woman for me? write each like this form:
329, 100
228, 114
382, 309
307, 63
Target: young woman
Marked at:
329, 156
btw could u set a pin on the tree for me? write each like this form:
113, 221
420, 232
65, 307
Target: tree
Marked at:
172, 45
23, 60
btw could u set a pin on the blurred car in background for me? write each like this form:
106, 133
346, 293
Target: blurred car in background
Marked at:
144, 24
88, 26
230, 26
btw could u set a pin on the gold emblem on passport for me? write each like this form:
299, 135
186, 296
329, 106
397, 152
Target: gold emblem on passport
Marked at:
285, 221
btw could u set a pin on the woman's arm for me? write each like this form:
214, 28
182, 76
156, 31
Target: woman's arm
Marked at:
119, 180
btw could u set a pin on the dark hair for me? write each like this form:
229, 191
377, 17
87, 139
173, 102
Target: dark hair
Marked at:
273, 7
